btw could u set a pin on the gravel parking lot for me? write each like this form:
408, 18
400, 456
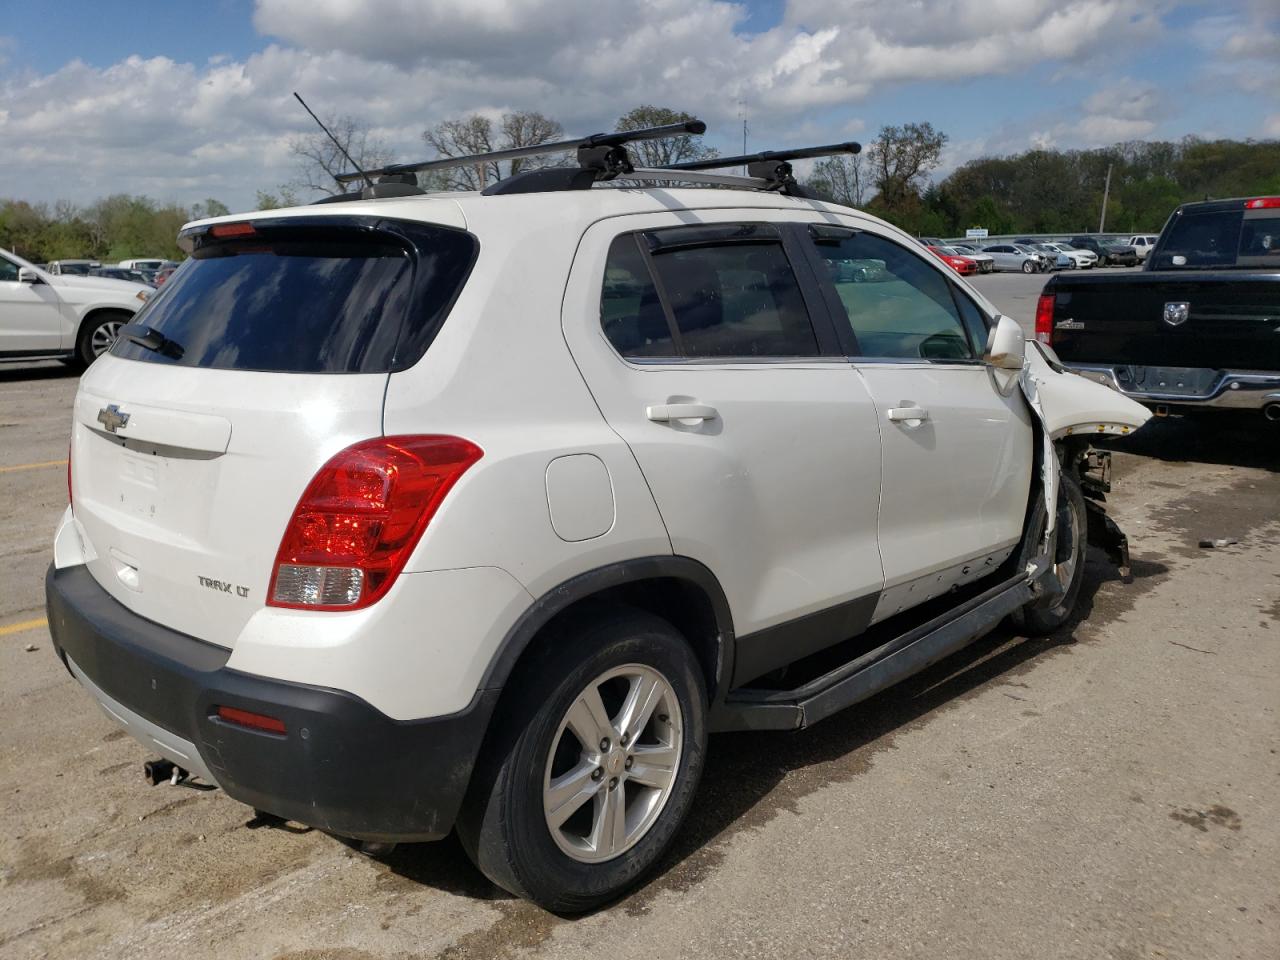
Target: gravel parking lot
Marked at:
1113, 791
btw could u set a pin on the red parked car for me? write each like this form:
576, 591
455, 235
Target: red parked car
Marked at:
961, 265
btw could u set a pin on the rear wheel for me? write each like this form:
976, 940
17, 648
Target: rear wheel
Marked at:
1044, 616
584, 791
97, 334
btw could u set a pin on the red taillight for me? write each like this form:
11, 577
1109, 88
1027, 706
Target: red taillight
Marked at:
247, 718
1262, 203
1044, 318
360, 518
223, 230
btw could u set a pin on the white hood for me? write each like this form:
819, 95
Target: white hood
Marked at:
126, 287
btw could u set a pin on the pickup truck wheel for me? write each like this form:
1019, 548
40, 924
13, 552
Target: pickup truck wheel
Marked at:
1040, 617
97, 334
1028, 266
582, 794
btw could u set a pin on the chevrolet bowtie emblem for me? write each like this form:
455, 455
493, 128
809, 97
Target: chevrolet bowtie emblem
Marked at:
111, 418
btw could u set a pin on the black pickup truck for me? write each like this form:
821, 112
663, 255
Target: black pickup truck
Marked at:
1198, 326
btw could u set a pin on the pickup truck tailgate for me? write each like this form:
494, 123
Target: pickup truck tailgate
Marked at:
1233, 321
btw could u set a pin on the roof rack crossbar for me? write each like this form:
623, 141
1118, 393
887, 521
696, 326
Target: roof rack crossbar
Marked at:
769, 156
596, 140
696, 176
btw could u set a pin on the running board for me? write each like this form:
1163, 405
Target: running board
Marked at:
868, 674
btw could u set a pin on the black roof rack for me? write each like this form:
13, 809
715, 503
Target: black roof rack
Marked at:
602, 157
596, 148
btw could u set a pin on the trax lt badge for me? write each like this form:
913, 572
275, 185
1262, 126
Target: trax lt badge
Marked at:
1176, 313
111, 417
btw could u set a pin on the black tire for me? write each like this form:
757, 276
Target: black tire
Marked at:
1028, 266
1042, 617
504, 824
90, 340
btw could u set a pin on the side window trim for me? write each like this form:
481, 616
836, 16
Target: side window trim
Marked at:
663, 301
803, 264
833, 311
961, 298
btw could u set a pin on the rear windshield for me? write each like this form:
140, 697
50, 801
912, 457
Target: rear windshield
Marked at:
307, 299
1218, 239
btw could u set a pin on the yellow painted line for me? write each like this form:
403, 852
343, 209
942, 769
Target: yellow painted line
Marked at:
24, 625
34, 466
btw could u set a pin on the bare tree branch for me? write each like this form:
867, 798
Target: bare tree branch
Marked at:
476, 134
844, 178
319, 160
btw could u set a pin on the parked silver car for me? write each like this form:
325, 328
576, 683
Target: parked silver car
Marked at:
1014, 256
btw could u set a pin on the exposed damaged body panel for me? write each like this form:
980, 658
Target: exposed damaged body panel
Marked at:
1069, 405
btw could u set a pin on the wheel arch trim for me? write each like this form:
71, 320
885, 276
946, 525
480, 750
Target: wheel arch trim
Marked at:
590, 583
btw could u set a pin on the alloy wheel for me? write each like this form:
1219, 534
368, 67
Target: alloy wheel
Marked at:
612, 763
104, 336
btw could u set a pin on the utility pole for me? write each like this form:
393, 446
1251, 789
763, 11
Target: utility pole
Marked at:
742, 115
1106, 192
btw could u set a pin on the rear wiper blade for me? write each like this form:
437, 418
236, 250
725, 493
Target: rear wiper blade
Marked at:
152, 339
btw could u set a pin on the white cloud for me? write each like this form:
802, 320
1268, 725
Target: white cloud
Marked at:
221, 128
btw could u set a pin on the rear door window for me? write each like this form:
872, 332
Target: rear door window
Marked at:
305, 297
719, 291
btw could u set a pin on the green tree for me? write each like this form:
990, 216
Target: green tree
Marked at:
900, 159
662, 153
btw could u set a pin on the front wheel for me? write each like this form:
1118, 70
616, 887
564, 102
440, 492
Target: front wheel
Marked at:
586, 788
1028, 266
1042, 617
97, 334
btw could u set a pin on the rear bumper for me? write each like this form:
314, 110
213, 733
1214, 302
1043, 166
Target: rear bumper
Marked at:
341, 766
1227, 389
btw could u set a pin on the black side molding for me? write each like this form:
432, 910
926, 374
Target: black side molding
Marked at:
867, 675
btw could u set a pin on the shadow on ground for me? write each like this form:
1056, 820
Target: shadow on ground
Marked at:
1229, 438
751, 777
19, 373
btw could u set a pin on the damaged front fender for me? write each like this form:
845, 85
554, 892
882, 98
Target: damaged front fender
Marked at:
1071, 406
1072, 409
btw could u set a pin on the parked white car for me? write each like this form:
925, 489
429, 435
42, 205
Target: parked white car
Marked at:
1084, 259
1143, 243
480, 511
153, 263
44, 316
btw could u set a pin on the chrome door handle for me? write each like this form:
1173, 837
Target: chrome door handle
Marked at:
666, 412
901, 414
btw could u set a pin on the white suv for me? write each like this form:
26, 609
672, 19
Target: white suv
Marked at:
481, 511
45, 316
1143, 243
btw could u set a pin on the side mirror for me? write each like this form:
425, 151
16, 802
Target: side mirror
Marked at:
1006, 345
27, 275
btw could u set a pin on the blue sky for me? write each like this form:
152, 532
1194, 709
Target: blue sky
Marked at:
184, 101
